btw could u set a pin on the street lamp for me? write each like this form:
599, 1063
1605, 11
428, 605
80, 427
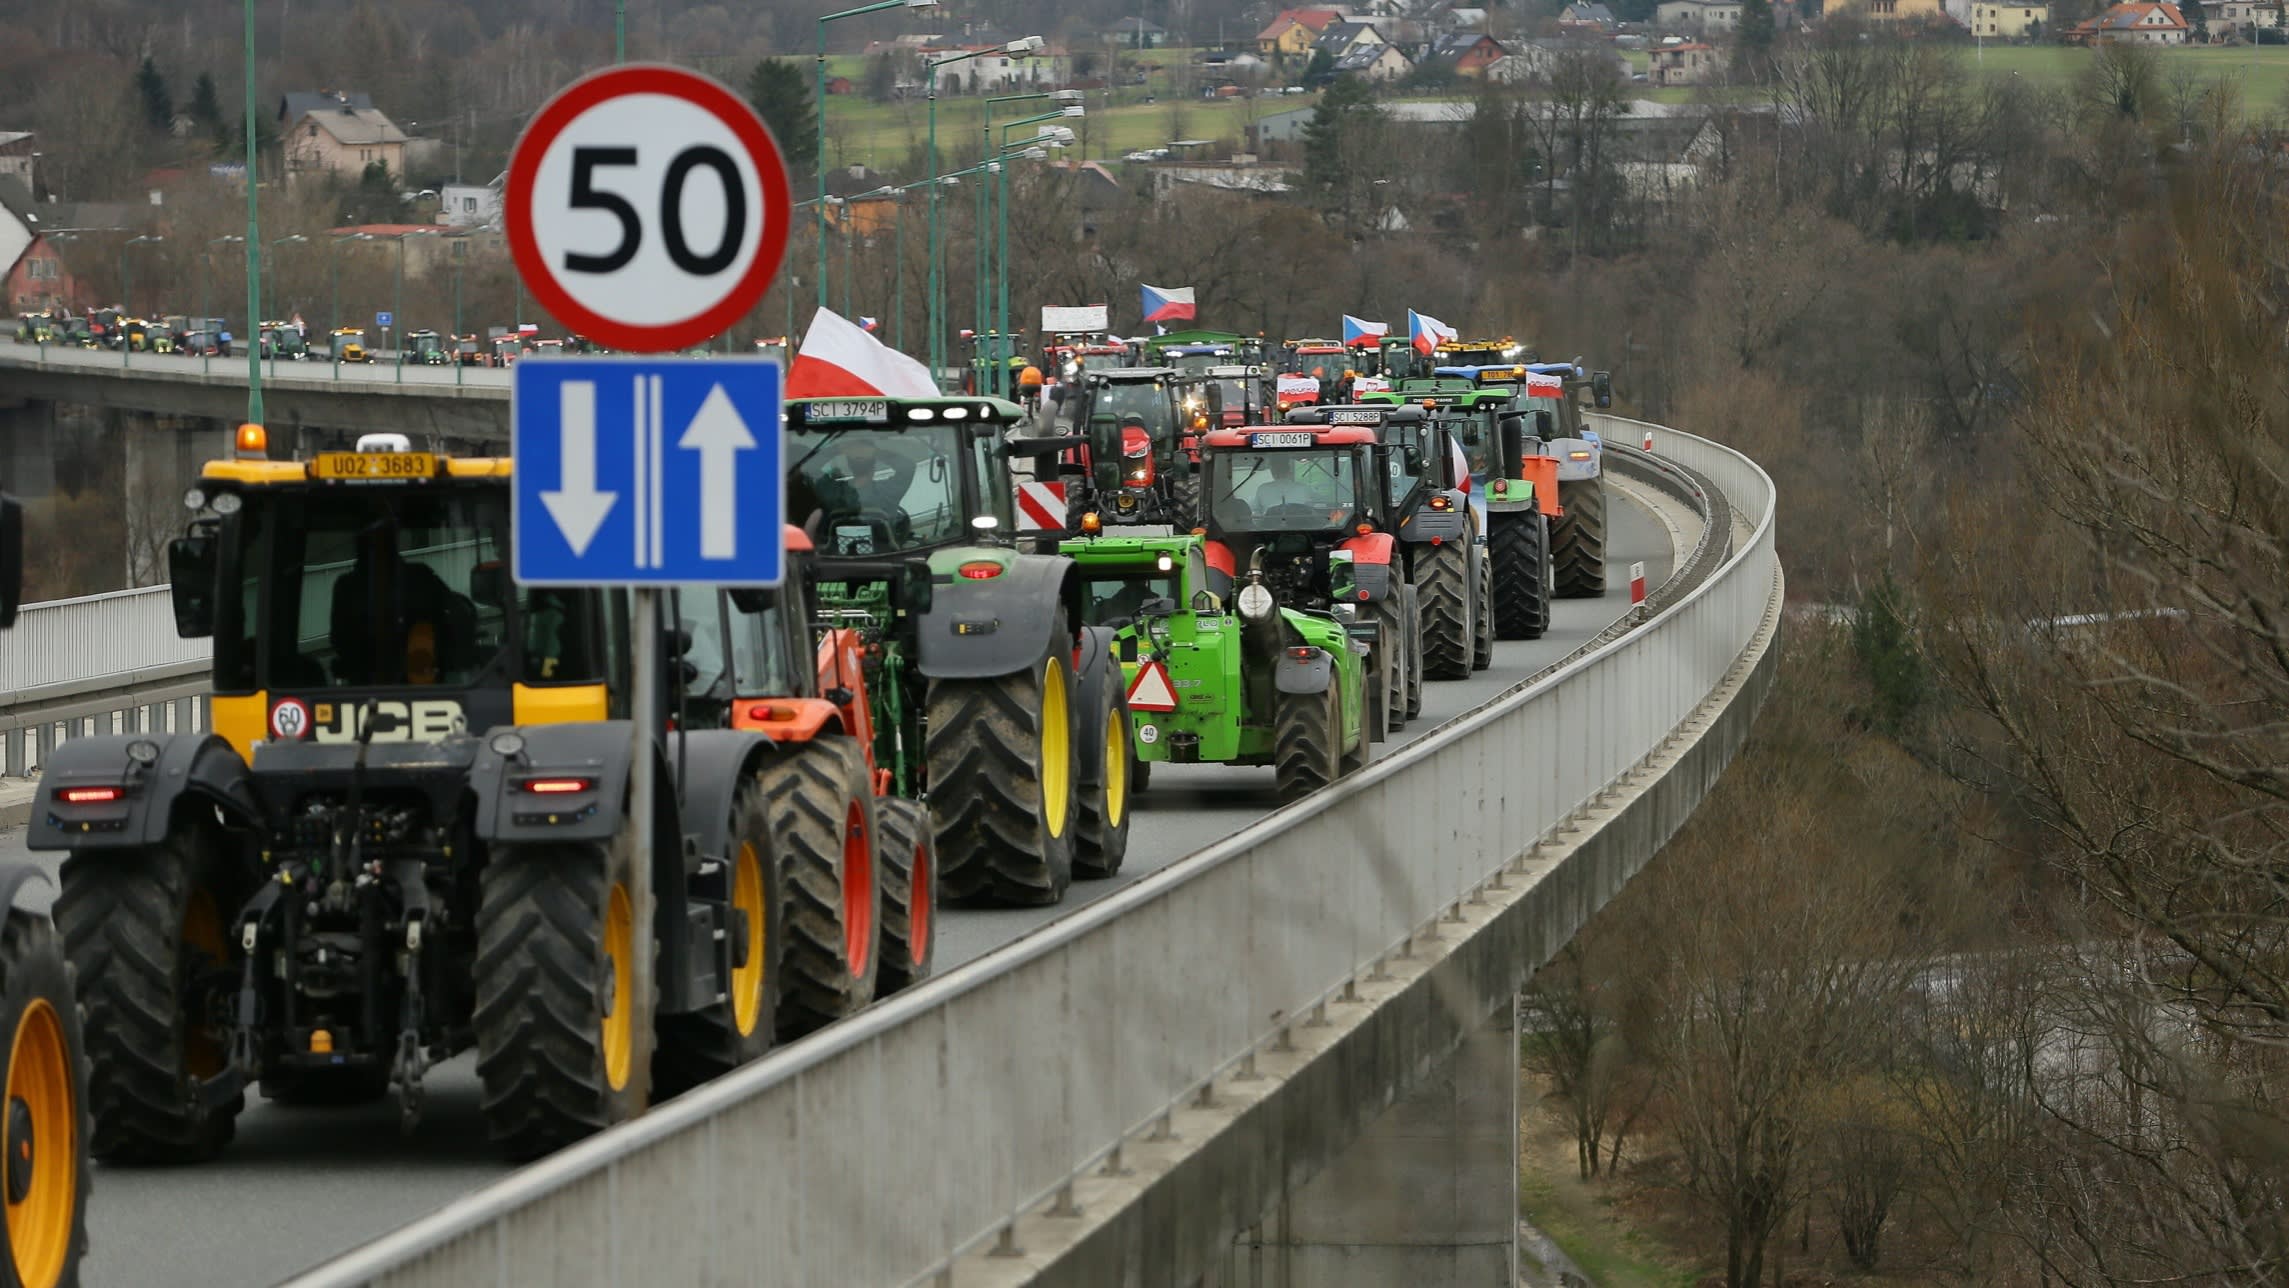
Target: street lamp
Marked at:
982, 300
206, 270
850, 242
1057, 138
334, 316
275, 241
253, 228
821, 163
127, 292
1024, 47
985, 295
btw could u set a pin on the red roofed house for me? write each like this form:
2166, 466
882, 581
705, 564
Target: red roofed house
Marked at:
1295, 31
2145, 24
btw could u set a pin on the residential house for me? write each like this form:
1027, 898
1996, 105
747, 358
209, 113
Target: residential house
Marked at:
426, 248
1234, 63
2243, 16
1375, 63
1587, 15
471, 205
840, 85
1531, 58
1294, 32
1137, 33
16, 153
2009, 19
1684, 62
1884, 13
1466, 19
331, 132
1470, 52
2142, 24
1341, 38
1701, 17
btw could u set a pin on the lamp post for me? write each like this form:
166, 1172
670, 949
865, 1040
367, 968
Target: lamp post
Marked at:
334, 314
253, 229
850, 242
1020, 48
127, 293
1053, 137
214, 339
1000, 381
275, 241
821, 162
1064, 98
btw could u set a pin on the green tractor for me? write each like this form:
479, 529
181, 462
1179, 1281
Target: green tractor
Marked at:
990, 702
1198, 351
424, 349
1441, 538
1252, 682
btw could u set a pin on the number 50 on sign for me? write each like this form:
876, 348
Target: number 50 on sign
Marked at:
647, 207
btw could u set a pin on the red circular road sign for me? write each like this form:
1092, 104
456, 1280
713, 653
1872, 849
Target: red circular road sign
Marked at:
647, 207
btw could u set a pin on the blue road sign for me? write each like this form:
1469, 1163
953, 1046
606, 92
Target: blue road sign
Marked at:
383, 319
646, 472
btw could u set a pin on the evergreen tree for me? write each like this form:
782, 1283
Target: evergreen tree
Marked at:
151, 89
782, 97
206, 108
1319, 70
1752, 41
881, 77
2191, 11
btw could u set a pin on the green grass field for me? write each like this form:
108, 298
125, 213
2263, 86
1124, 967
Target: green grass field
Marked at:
2261, 70
885, 134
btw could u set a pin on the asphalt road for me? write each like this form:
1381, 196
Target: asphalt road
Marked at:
301, 1185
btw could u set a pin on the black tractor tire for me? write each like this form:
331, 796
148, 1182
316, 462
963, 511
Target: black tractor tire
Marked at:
564, 1043
1005, 827
1359, 753
1387, 666
713, 1040
821, 805
1443, 590
1183, 494
906, 862
1411, 616
1140, 776
46, 1136
144, 934
1519, 551
1482, 620
1108, 763
1307, 731
1577, 539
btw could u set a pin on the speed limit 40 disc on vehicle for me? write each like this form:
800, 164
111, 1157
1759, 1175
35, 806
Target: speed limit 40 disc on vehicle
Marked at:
647, 207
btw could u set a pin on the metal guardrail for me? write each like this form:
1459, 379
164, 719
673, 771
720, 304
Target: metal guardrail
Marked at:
949, 1110
107, 663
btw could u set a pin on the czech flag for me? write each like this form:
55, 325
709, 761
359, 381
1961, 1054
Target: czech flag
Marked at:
839, 360
868, 324
1361, 334
1162, 304
1426, 332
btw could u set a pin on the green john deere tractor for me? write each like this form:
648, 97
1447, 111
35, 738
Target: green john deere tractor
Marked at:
988, 703
1253, 682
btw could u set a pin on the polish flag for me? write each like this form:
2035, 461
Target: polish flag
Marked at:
838, 360
1426, 332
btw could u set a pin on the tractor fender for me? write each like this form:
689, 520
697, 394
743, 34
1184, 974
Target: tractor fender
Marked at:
14, 877
1436, 525
1292, 674
978, 629
196, 769
1223, 568
1371, 555
1571, 471
712, 764
1101, 680
597, 751
787, 719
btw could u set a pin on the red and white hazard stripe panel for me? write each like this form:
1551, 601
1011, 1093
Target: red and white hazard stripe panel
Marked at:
1040, 507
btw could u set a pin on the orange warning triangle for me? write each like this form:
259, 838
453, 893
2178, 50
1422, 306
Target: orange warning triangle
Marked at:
1151, 691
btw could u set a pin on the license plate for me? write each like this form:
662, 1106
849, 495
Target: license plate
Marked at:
1280, 440
374, 465
871, 411
1354, 418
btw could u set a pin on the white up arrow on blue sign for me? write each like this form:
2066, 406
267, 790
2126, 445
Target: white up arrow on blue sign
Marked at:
646, 472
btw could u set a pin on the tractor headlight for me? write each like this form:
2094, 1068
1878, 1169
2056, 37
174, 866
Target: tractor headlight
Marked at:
1255, 603
195, 499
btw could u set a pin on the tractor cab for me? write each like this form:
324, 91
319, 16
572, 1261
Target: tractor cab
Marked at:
1298, 357
869, 478
283, 340
424, 349
349, 345
1423, 470
1500, 351
1243, 396
1133, 462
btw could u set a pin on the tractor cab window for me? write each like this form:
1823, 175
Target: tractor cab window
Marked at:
1116, 597
1146, 401
1550, 405
369, 588
1283, 491
865, 490
762, 650
1475, 431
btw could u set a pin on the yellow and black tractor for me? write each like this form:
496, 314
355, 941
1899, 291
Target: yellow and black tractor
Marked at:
43, 1122
408, 832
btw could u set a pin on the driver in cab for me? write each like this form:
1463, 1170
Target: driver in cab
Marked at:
865, 491
1281, 486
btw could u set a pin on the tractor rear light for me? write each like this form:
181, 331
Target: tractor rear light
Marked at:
1363, 595
558, 786
1303, 654
1502, 487
1091, 523
1438, 541
1441, 503
1364, 528
1577, 456
980, 571
89, 795
764, 711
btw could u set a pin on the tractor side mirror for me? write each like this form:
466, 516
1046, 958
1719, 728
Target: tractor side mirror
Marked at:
11, 559
1510, 447
914, 592
1104, 439
1601, 388
1215, 394
191, 568
1545, 425
750, 599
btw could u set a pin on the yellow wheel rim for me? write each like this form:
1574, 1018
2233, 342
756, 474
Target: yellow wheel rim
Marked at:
203, 1052
619, 951
747, 980
42, 1145
1116, 767
1056, 748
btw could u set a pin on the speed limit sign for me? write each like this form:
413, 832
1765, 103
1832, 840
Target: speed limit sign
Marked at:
647, 208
